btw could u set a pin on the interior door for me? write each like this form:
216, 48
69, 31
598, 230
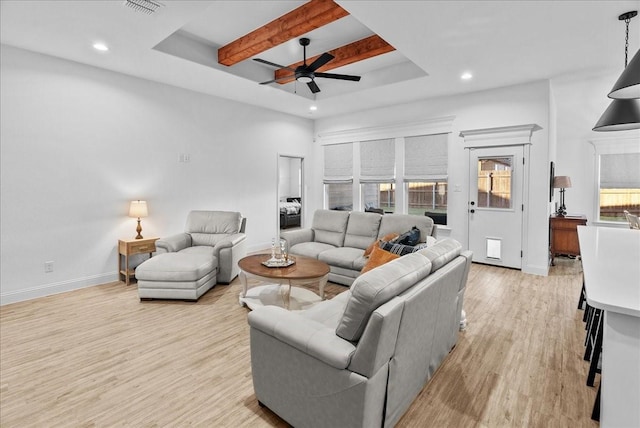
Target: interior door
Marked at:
496, 205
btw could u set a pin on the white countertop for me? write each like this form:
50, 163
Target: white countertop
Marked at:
611, 263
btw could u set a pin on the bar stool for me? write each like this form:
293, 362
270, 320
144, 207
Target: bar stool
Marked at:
595, 413
593, 349
583, 296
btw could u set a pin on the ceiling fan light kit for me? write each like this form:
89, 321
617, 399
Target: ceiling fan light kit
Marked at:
624, 111
306, 73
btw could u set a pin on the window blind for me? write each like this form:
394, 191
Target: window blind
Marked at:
338, 163
620, 171
425, 157
378, 161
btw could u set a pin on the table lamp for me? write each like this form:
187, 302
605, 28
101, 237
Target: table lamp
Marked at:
138, 209
561, 182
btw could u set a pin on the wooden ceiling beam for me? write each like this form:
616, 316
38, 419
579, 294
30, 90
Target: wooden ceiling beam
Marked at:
353, 52
308, 17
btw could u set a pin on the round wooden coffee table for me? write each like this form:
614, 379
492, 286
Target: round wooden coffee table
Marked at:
304, 271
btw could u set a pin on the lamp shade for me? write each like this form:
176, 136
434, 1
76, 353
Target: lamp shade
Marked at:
621, 115
138, 209
561, 182
628, 84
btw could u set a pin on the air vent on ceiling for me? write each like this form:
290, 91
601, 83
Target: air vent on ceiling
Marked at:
145, 6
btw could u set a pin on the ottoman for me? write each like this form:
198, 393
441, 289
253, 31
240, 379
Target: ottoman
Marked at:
184, 276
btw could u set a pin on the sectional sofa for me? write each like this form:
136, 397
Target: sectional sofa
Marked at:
361, 358
339, 238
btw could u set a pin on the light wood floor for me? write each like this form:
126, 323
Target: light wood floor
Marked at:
99, 357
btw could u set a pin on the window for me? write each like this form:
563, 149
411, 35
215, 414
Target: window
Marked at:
428, 197
618, 185
338, 176
339, 196
494, 182
379, 196
425, 175
378, 174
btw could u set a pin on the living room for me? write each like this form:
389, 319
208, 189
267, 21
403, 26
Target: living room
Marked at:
80, 141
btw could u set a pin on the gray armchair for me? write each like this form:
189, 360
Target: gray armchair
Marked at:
222, 230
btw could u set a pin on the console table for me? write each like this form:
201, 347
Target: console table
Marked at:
612, 283
563, 235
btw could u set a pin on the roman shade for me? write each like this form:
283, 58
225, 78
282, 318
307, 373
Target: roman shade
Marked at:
338, 163
378, 161
620, 171
425, 157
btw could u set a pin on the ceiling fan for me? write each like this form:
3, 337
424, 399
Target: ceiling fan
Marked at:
306, 73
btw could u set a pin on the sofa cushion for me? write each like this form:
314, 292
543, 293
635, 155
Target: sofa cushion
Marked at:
361, 229
400, 223
328, 312
211, 227
376, 287
329, 226
310, 249
178, 267
442, 252
344, 257
378, 257
199, 249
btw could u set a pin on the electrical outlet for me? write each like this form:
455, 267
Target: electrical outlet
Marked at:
48, 267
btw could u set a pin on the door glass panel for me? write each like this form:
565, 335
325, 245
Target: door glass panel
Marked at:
494, 182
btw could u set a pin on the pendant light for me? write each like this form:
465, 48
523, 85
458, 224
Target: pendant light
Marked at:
624, 111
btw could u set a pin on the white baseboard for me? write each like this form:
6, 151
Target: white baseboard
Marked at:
536, 270
56, 288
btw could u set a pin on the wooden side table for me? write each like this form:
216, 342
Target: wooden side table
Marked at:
563, 238
130, 247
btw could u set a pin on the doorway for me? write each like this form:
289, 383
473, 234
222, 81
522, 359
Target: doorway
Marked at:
290, 191
496, 180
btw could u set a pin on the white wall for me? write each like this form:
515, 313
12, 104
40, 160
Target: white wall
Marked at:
517, 105
78, 143
289, 180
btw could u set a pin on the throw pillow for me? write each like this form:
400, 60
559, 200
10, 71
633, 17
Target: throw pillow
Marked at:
399, 249
377, 258
387, 237
411, 237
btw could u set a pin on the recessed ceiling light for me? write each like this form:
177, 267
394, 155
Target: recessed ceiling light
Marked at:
100, 47
313, 108
466, 76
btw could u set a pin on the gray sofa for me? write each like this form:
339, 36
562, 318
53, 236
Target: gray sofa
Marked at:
361, 358
339, 238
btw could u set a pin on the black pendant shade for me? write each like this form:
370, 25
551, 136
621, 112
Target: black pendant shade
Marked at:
621, 115
628, 85
624, 111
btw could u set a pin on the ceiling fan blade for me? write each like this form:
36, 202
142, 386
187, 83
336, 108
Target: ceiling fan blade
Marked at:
276, 80
338, 76
273, 64
314, 88
322, 60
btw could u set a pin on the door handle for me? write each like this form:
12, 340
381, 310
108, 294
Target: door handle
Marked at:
472, 211
472, 203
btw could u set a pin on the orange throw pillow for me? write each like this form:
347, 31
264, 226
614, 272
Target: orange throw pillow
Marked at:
376, 243
378, 258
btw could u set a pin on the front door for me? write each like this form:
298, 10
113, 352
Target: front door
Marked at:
495, 205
